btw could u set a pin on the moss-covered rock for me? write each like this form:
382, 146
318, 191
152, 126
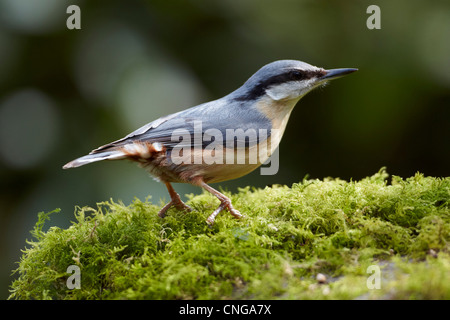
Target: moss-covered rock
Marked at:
288, 237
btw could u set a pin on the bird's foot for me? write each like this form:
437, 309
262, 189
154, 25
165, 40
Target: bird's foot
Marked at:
177, 203
225, 204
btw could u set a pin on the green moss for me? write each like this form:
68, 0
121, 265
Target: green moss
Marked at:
288, 236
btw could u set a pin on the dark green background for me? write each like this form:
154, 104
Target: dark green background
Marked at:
64, 92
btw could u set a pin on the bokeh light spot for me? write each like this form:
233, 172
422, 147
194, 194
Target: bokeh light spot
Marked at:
433, 44
101, 57
34, 17
153, 89
28, 128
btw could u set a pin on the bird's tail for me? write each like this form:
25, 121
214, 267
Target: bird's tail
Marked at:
94, 157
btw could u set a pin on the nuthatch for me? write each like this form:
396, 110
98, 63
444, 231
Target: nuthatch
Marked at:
262, 105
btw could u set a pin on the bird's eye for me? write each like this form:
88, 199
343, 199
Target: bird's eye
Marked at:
296, 75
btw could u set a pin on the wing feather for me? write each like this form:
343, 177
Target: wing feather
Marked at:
210, 117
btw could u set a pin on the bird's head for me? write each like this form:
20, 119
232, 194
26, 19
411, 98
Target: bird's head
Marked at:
287, 80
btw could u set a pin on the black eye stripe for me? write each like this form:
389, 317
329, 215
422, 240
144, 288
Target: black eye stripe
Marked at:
289, 75
296, 75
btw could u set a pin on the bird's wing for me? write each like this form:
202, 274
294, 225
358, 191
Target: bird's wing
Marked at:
137, 134
202, 124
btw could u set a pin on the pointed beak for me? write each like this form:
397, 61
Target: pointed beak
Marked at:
337, 73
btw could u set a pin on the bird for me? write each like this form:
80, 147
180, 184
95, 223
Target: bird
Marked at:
217, 140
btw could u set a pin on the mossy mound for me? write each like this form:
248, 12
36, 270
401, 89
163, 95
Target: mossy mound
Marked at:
289, 235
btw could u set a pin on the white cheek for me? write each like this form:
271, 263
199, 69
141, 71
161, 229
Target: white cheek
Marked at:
281, 92
307, 87
291, 90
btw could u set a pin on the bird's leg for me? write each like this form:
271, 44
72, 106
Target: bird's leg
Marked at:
175, 201
225, 203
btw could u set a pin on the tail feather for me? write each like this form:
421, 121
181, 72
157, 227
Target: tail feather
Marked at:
107, 155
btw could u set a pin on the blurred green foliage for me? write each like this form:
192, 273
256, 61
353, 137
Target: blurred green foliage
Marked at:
64, 92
